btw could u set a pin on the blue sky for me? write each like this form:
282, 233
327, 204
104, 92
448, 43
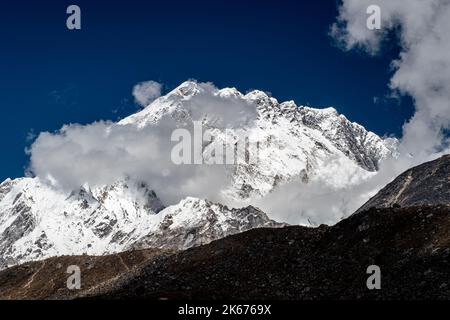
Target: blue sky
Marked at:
50, 76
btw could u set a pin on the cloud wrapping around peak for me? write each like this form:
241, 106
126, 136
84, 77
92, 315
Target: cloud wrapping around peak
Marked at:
103, 152
146, 92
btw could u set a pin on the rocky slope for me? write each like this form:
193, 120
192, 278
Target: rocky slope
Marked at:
48, 278
426, 184
410, 245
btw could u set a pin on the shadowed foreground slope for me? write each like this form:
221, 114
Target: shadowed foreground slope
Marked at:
411, 246
47, 279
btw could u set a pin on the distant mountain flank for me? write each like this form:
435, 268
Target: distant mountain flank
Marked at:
38, 221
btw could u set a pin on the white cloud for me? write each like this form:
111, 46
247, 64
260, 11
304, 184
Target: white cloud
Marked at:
145, 92
422, 70
324, 202
31, 135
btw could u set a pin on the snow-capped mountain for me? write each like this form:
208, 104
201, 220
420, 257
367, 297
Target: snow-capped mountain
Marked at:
39, 221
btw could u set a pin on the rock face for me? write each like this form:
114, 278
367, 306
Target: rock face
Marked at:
426, 184
410, 245
38, 221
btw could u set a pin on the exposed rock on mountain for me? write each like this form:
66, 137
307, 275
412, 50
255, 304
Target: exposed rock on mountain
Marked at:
38, 221
426, 184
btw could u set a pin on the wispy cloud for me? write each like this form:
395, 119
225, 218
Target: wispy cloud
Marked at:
422, 69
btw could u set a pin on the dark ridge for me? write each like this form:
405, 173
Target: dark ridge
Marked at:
410, 245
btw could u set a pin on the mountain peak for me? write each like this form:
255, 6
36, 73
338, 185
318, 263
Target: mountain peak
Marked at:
187, 89
229, 92
257, 95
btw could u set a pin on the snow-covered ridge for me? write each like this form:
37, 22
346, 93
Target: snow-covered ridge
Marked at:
37, 221
295, 141
349, 137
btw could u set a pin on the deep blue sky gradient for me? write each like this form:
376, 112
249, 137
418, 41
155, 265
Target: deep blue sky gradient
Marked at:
50, 76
